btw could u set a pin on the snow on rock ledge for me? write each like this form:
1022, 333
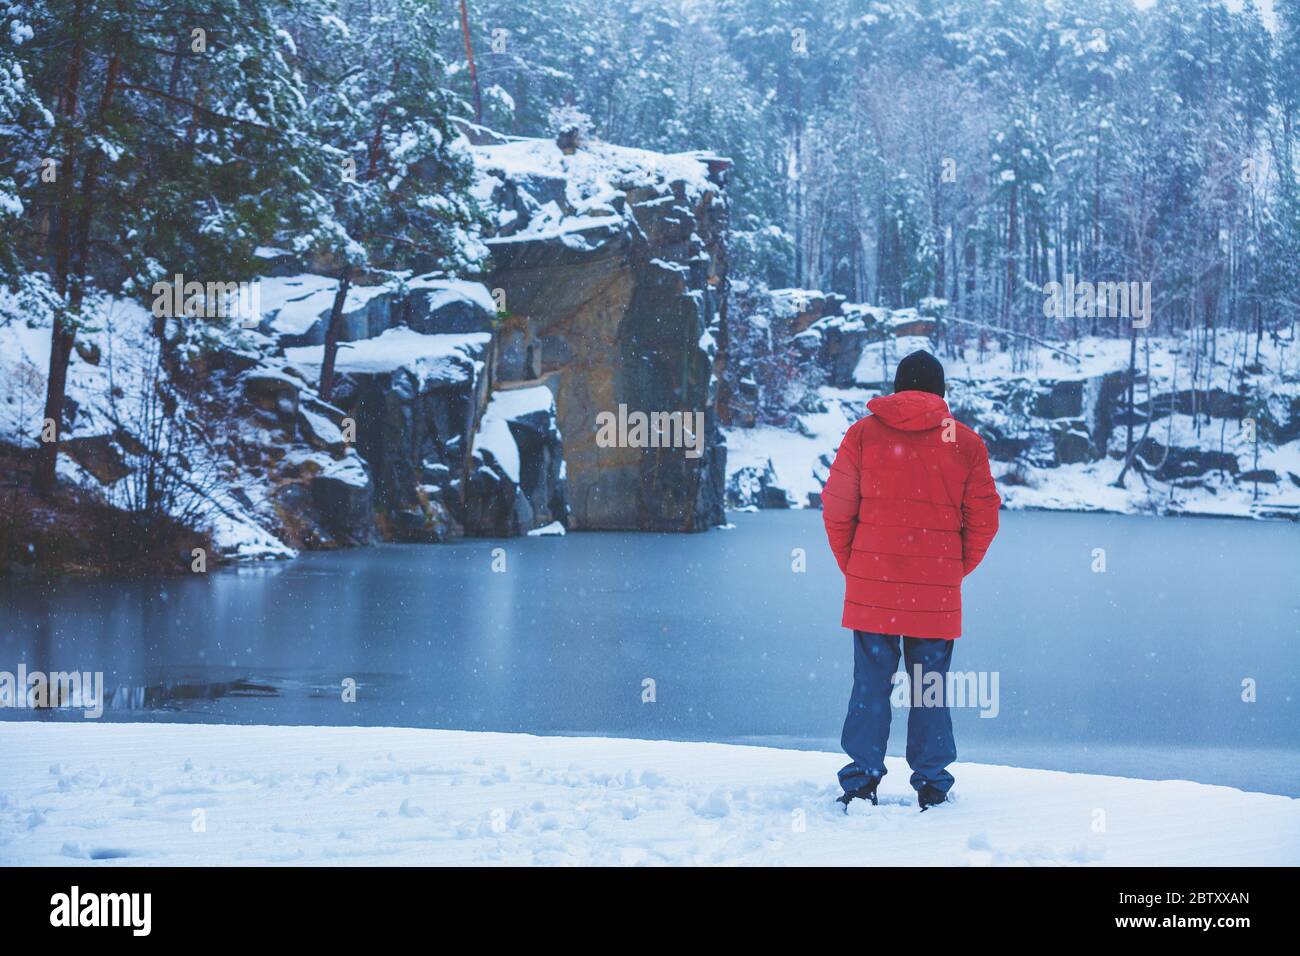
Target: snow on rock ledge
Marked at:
431, 359
296, 308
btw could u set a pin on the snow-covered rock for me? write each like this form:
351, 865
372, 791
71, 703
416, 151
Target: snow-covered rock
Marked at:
517, 479
752, 486
1055, 419
611, 262
296, 308
413, 398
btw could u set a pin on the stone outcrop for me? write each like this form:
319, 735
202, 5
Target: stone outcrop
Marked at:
318, 488
610, 264
1174, 463
427, 304
413, 415
342, 495
415, 377
1079, 414
802, 307
517, 470
752, 487
837, 340
468, 408
836, 343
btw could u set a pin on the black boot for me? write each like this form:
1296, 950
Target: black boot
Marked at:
930, 796
865, 792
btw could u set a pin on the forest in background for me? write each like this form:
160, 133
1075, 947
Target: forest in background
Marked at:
898, 154
966, 151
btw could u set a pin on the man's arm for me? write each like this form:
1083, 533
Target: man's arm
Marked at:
979, 509
841, 497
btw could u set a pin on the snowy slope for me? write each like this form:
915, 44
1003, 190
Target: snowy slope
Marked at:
115, 368
128, 793
108, 393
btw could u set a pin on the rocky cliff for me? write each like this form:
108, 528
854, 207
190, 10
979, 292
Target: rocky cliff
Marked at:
461, 406
609, 266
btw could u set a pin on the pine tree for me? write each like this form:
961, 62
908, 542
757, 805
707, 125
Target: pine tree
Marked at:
177, 136
19, 112
390, 181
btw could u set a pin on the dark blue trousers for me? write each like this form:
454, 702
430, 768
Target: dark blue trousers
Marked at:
930, 747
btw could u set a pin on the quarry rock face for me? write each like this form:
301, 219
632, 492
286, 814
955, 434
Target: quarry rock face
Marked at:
447, 456
611, 263
407, 425
465, 407
342, 495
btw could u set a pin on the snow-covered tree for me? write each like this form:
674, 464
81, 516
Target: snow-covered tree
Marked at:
390, 188
177, 142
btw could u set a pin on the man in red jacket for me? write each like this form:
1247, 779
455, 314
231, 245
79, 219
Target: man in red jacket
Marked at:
910, 508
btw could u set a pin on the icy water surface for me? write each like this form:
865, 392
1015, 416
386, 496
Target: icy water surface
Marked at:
1136, 671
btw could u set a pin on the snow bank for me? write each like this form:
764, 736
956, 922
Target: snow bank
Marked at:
132, 793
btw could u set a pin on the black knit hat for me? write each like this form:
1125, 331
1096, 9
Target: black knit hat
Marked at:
921, 372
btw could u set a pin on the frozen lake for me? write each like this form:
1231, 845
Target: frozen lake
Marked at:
1137, 671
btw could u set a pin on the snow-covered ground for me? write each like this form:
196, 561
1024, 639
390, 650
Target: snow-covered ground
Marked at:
107, 386
217, 794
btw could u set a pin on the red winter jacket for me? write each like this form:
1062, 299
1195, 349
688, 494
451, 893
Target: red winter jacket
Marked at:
910, 508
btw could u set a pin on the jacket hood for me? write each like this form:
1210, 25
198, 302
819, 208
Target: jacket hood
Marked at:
910, 411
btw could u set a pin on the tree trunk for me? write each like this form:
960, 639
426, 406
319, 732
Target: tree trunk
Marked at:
1132, 376
797, 185
44, 478
469, 56
1013, 241
936, 226
1151, 414
332, 334
1095, 257
62, 333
